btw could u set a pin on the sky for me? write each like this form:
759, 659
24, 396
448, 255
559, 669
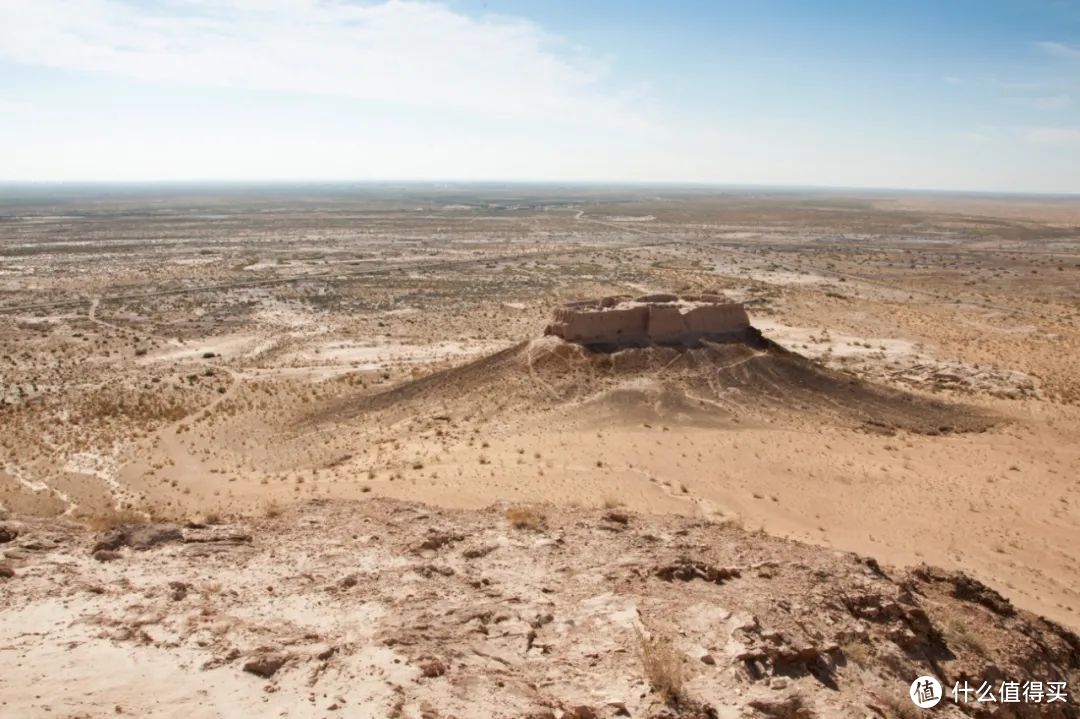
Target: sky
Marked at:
975, 95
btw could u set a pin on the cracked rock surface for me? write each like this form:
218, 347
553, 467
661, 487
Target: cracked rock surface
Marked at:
393, 609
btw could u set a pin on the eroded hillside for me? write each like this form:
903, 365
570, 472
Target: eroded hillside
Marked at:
389, 609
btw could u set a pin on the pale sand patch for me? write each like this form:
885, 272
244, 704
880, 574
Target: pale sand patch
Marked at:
229, 346
374, 356
785, 277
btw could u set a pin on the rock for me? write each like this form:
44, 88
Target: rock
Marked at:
617, 517
6, 571
8, 533
791, 707
477, 552
686, 569
581, 712
178, 590
138, 536
224, 535
430, 570
708, 659
966, 588
432, 668
106, 555
438, 540
266, 664
37, 544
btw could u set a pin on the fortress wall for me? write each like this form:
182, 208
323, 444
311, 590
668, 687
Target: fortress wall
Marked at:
651, 319
717, 319
613, 325
658, 298
666, 324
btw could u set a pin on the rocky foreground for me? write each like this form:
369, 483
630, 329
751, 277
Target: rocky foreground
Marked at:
388, 609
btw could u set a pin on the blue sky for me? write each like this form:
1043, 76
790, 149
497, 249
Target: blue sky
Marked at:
942, 95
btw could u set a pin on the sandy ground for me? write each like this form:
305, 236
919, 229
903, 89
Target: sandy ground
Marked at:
384, 610
399, 357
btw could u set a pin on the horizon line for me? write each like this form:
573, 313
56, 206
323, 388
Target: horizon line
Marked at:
643, 184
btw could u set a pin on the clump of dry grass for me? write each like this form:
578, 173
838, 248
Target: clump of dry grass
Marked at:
856, 652
525, 518
272, 508
664, 666
113, 518
896, 708
956, 632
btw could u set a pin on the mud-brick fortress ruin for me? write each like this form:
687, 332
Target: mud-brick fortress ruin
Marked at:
622, 321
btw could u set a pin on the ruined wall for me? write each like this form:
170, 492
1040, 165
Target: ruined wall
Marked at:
660, 319
602, 325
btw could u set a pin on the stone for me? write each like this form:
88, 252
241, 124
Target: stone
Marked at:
581, 712
685, 570
478, 552
138, 536
432, 668
438, 540
265, 664
8, 533
218, 535
178, 590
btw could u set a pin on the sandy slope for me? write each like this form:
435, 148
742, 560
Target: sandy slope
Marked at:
383, 609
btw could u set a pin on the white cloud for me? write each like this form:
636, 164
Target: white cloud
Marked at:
1043, 102
399, 51
1060, 49
1067, 136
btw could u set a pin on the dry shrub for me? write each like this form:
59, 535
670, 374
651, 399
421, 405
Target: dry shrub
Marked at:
857, 653
272, 509
525, 518
113, 518
663, 664
896, 708
956, 632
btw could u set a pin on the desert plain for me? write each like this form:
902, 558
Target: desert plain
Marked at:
305, 394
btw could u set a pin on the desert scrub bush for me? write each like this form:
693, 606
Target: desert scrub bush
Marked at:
112, 518
524, 518
897, 708
857, 653
663, 664
957, 633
